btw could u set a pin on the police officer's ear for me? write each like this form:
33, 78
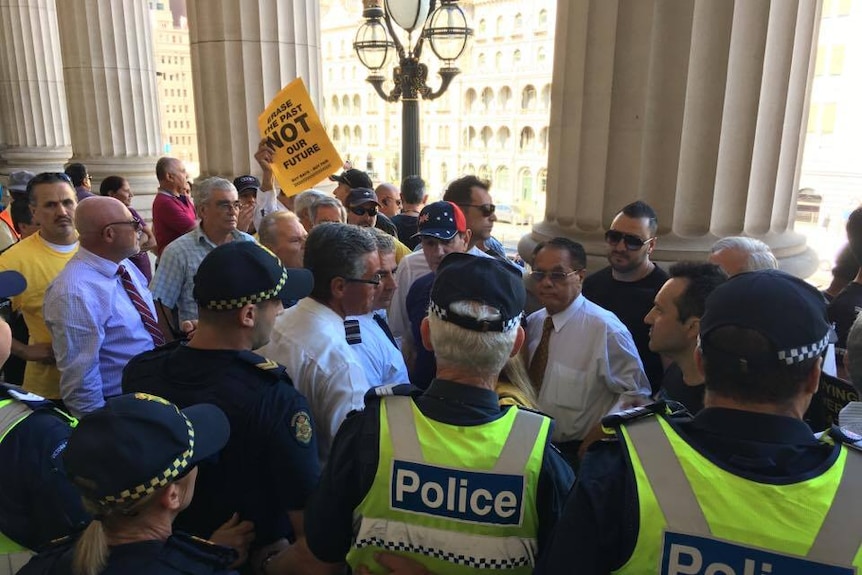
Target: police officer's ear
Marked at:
425, 332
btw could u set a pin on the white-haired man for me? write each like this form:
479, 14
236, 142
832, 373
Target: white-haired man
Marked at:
738, 254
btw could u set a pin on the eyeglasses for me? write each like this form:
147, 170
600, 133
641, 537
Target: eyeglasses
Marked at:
632, 243
486, 209
134, 223
227, 206
555, 277
359, 211
374, 280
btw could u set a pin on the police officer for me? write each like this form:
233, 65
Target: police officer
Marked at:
446, 476
269, 467
135, 462
743, 487
37, 503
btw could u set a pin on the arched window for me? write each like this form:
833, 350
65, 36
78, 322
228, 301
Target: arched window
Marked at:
503, 137
546, 97
498, 28
336, 134
357, 104
502, 182
525, 182
469, 169
498, 61
481, 60
541, 55
484, 173
504, 98
516, 57
543, 18
528, 97
482, 27
469, 100
543, 138
487, 98
345, 104
345, 131
444, 172
470, 137
527, 138
357, 134
519, 21
487, 136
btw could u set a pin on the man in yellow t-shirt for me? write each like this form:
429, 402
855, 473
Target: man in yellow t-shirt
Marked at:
40, 258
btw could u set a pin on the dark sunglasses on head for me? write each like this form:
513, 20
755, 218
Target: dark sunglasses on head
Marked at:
632, 243
486, 209
360, 211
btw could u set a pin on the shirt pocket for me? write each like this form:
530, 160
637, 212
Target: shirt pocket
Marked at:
569, 389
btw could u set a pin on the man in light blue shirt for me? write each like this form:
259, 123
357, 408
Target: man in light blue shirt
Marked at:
98, 308
218, 205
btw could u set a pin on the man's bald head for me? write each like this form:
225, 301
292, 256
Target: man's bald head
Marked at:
106, 228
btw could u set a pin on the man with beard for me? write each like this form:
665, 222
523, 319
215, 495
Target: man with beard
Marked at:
628, 286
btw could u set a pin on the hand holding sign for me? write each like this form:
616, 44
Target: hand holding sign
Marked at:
302, 154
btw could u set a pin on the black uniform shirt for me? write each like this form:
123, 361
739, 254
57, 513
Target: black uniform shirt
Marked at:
599, 527
353, 463
269, 465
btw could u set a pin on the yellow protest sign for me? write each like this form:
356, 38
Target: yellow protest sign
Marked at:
304, 154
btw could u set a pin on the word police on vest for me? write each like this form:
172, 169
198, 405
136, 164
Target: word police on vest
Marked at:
691, 555
489, 498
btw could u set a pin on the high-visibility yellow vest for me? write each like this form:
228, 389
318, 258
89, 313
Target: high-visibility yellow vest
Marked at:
697, 518
11, 414
456, 499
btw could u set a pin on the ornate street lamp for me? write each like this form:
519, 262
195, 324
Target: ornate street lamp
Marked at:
446, 31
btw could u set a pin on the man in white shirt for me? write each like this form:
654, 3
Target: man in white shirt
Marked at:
310, 339
376, 348
583, 360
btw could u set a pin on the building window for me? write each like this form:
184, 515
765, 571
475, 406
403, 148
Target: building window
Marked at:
526, 182
487, 136
543, 181
444, 171
541, 56
503, 137
546, 97
528, 98
528, 137
503, 182
519, 21
543, 18
516, 57
487, 99
498, 29
482, 27
498, 61
357, 104
504, 96
484, 173
469, 99
543, 138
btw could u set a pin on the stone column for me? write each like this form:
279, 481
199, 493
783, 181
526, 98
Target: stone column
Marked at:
696, 107
33, 118
243, 53
111, 90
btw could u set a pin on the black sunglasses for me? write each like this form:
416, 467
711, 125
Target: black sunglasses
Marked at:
632, 243
486, 209
360, 211
374, 280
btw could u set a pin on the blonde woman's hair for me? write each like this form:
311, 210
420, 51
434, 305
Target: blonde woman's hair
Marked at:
513, 385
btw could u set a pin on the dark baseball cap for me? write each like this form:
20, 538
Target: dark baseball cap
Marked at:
789, 312
487, 280
246, 184
353, 178
18, 181
441, 220
11, 283
243, 272
138, 443
359, 196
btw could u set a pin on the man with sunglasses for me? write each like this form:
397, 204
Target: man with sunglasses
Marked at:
473, 197
218, 207
628, 286
311, 339
39, 258
99, 309
363, 210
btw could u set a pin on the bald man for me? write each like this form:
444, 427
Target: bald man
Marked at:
389, 197
99, 309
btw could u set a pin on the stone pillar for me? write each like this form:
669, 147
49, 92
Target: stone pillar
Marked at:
696, 107
110, 74
243, 53
33, 118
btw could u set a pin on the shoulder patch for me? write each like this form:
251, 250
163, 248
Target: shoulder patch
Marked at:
262, 363
300, 424
633, 414
406, 389
267, 365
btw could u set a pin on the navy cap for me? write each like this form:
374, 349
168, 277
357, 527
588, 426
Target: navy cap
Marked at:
246, 183
487, 280
353, 178
138, 443
18, 181
239, 273
441, 220
789, 312
359, 196
11, 283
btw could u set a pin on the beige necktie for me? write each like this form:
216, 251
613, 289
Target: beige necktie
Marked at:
540, 356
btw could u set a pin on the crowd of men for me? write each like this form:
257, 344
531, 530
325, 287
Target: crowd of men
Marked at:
365, 381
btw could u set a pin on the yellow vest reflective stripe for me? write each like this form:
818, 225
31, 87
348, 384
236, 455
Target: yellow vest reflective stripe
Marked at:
696, 518
457, 499
11, 414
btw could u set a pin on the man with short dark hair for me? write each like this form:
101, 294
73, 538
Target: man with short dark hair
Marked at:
447, 477
269, 465
719, 491
81, 180
173, 210
40, 258
311, 338
363, 210
628, 285
674, 322
582, 360
473, 196
414, 198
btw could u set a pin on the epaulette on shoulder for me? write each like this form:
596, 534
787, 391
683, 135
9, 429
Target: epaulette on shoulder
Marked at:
846, 437
258, 361
613, 420
404, 389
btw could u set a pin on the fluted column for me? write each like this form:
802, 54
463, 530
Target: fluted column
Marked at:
111, 89
694, 106
243, 53
33, 119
